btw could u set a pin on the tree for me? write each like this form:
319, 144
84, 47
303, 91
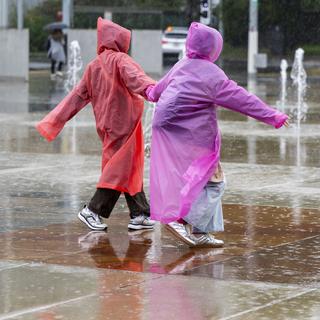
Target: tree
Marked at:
150, 4
36, 19
297, 20
192, 11
235, 20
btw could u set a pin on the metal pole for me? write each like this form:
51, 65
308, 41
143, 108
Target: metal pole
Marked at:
67, 12
71, 13
20, 14
253, 37
3, 13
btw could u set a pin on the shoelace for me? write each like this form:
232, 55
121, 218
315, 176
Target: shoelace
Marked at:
91, 220
96, 217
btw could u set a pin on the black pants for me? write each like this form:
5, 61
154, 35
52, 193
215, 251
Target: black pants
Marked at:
104, 200
53, 66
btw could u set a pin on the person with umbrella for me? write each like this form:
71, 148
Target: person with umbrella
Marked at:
55, 48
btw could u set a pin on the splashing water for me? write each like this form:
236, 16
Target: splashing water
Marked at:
147, 126
283, 74
74, 66
299, 77
282, 103
73, 76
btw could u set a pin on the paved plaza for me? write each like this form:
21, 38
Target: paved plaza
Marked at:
53, 267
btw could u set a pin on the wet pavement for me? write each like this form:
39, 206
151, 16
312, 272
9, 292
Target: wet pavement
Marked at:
53, 267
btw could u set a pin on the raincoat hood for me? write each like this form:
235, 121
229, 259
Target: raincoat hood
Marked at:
203, 42
112, 36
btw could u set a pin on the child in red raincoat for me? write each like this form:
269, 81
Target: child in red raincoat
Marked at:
112, 83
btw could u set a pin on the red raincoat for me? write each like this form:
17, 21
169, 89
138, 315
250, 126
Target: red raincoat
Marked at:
112, 83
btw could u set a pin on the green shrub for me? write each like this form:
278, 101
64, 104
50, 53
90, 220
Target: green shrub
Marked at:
311, 49
35, 20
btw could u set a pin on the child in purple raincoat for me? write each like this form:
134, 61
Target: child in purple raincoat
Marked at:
186, 179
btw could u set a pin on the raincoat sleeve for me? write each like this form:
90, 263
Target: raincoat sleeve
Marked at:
229, 95
77, 99
154, 92
133, 76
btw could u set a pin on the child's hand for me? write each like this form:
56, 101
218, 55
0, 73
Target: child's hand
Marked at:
287, 123
149, 93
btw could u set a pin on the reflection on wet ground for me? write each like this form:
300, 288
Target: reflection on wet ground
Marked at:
52, 267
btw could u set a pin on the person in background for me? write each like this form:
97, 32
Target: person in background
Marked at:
56, 52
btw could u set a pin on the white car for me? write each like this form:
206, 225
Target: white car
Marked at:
174, 40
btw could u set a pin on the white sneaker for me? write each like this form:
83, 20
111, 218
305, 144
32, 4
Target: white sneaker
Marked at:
207, 241
141, 222
53, 76
91, 219
183, 232
59, 74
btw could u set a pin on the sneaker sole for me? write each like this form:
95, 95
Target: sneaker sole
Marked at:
139, 227
82, 219
177, 234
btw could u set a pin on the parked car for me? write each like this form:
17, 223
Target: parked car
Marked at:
173, 40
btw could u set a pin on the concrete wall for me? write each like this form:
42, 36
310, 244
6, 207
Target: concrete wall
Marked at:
14, 96
145, 47
88, 43
146, 50
14, 54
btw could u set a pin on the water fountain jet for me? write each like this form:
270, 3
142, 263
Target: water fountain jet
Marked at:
73, 76
299, 77
283, 74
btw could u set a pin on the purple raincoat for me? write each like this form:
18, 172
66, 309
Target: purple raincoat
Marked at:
185, 136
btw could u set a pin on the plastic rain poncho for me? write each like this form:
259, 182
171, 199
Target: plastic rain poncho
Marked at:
112, 83
185, 137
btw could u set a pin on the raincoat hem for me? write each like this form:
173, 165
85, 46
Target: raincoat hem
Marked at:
118, 188
138, 176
